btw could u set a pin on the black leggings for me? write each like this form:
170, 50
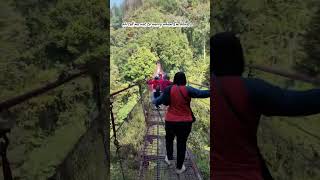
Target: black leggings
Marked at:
156, 94
182, 131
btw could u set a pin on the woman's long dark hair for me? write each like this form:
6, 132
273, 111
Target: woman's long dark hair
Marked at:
180, 79
226, 55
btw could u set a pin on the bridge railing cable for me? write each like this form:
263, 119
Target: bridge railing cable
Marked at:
115, 129
94, 69
295, 76
200, 85
64, 77
284, 73
113, 95
116, 142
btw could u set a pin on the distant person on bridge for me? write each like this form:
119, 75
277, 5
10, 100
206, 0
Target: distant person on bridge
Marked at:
179, 116
160, 76
165, 82
237, 104
155, 83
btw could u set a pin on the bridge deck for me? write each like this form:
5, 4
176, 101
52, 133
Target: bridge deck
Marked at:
152, 164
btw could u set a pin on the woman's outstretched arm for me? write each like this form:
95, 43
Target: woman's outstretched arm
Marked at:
197, 93
274, 101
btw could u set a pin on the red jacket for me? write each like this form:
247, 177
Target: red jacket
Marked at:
154, 83
164, 84
179, 109
234, 153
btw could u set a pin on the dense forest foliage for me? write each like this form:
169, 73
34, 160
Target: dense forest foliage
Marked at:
39, 41
282, 34
134, 53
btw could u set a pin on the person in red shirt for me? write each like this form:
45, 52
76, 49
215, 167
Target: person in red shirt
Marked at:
160, 76
179, 116
165, 82
153, 82
155, 87
161, 81
237, 103
149, 83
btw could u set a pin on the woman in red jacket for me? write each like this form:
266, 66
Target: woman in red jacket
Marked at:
165, 82
155, 83
237, 103
178, 119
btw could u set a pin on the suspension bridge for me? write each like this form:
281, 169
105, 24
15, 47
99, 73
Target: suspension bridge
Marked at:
152, 154
153, 150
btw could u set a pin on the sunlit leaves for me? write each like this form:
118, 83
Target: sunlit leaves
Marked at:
140, 65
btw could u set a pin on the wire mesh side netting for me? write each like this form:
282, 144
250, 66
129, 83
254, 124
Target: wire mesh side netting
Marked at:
129, 134
53, 137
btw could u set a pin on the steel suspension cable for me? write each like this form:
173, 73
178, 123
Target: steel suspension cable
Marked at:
116, 142
158, 139
115, 130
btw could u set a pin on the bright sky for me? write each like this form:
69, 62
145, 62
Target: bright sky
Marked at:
115, 2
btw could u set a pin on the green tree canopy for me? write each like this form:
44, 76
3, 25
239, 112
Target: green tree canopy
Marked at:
140, 65
311, 44
65, 31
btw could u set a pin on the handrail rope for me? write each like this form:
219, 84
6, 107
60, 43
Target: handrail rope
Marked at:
64, 77
122, 90
140, 99
116, 142
5, 105
287, 74
137, 83
283, 74
118, 129
33, 93
201, 85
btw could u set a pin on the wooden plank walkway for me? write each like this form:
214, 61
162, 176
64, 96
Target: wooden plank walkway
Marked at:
152, 165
